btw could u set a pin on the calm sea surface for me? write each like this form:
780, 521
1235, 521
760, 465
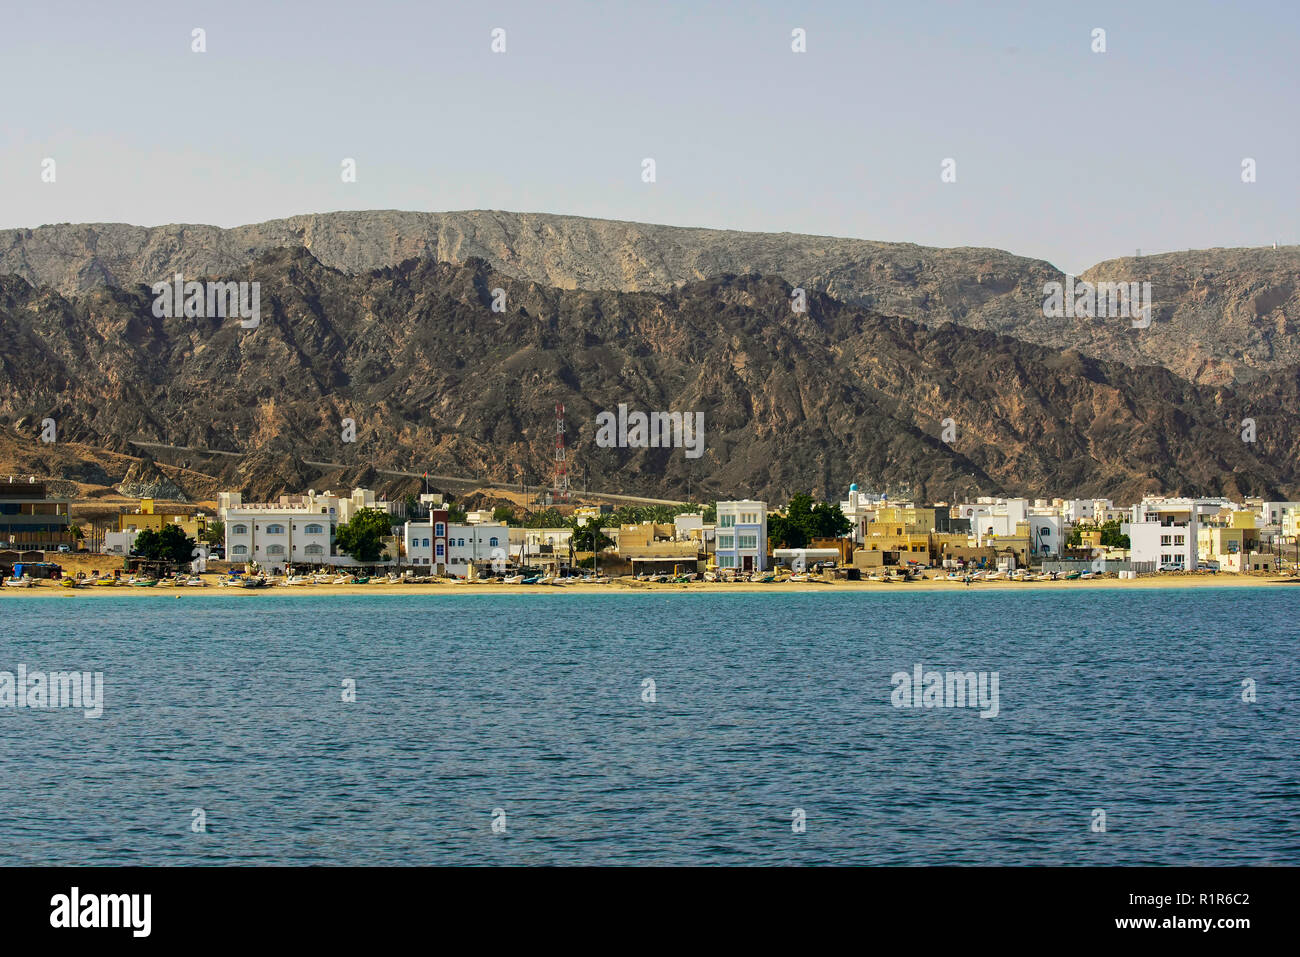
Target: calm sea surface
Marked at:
1127, 702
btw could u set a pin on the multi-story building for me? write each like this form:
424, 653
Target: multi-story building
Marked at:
741, 536
1014, 523
481, 544
31, 519
296, 530
1166, 530
426, 542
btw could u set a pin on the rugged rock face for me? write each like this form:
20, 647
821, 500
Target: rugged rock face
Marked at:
1219, 315
435, 379
145, 480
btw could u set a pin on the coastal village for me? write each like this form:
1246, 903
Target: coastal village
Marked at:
320, 538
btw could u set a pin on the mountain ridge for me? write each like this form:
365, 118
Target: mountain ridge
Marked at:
1219, 315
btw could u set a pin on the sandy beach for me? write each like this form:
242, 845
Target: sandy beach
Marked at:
49, 589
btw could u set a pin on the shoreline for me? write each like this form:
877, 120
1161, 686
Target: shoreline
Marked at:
451, 589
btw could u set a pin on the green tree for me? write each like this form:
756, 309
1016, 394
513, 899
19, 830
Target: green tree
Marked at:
147, 545
827, 521
215, 533
589, 538
361, 536
170, 545
547, 518
176, 547
503, 513
1111, 536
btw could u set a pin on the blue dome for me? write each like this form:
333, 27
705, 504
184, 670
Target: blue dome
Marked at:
853, 487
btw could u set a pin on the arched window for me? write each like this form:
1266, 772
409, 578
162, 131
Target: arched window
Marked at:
239, 550
275, 550
492, 541
314, 550
314, 529
239, 530
276, 529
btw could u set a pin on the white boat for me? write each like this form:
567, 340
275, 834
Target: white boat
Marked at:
24, 582
196, 582
996, 576
297, 580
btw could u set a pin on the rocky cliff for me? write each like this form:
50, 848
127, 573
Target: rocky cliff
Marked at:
432, 378
1219, 315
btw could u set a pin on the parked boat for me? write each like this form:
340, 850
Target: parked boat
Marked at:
143, 582
69, 583
297, 580
254, 581
23, 582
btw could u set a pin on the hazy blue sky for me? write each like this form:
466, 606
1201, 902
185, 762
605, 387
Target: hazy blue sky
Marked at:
1062, 153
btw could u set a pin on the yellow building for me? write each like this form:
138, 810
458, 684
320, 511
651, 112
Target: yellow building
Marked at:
646, 533
901, 520
147, 516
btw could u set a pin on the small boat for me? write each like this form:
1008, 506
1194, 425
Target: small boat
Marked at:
195, 582
802, 577
297, 580
253, 581
513, 580
143, 582
710, 576
1071, 576
69, 583
344, 580
24, 582
763, 577
531, 580
996, 576
105, 582
323, 579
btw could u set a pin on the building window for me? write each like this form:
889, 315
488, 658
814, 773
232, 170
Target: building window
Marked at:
239, 550
726, 541
726, 521
426, 542
314, 529
239, 530
276, 529
438, 550
1180, 540
315, 550
275, 549
491, 542
747, 541
1166, 539
461, 543
440, 530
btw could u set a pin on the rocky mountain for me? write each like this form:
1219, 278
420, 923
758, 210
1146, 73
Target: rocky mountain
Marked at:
433, 378
1219, 315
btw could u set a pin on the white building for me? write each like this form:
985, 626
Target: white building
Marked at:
1165, 530
999, 518
741, 536
297, 530
860, 508
481, 544
425, 543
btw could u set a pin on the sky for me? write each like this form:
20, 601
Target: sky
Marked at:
1060, 152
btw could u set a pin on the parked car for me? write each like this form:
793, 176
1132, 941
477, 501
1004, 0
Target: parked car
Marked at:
1171, 567
1207, 566
64, 548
